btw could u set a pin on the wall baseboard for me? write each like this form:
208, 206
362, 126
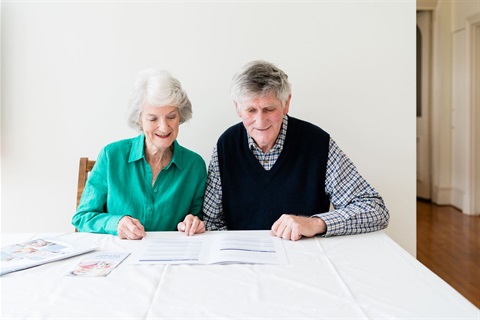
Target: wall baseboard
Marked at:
452, 197
458, 199
442, 196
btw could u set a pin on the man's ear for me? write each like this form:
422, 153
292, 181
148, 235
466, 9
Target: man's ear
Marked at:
237, 109
287, 105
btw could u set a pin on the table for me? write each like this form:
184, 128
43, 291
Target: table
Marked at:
364, 276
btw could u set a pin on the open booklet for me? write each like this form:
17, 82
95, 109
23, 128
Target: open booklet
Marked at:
37, 252
218, 248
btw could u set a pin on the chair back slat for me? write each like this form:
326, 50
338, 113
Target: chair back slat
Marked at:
85, 166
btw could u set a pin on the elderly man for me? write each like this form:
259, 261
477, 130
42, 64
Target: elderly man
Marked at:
273, 171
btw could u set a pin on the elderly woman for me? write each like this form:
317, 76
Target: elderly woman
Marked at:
150, 182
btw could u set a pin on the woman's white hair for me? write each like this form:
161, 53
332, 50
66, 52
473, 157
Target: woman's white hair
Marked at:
159, 88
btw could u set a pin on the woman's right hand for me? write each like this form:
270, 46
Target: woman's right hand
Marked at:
191, 225
130, 228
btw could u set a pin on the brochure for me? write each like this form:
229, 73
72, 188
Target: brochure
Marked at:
212, 249
37, 252
98, 264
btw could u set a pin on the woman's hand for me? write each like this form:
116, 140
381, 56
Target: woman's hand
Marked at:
130, 228
191, 225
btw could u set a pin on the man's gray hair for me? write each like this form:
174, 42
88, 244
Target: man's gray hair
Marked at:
159, 88
260, 78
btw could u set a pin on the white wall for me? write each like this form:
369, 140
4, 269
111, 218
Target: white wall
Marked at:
68, 68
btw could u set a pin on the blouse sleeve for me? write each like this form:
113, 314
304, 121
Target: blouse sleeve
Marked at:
91, 213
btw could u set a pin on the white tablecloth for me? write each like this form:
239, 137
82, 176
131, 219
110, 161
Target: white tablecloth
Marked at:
350, 277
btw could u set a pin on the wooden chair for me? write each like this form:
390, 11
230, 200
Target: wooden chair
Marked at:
84, 168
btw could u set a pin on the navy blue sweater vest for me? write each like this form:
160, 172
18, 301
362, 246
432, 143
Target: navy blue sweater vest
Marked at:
254, 198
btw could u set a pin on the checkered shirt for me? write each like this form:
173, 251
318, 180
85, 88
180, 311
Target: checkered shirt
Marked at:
357, 206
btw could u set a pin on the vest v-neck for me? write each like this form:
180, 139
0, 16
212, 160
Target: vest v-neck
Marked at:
267, 175
254, 198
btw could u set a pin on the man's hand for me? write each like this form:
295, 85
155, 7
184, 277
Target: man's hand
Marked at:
293, 227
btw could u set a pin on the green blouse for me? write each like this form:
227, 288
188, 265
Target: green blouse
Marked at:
120, 184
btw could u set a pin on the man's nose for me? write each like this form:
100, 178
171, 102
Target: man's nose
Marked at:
260, 118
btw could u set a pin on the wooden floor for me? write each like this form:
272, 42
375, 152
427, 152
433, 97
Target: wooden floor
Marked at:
448, 243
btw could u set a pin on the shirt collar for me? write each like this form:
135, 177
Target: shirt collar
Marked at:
280, 139
137, 151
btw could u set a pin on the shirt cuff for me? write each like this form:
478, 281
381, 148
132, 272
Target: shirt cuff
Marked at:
334, 221
112, 224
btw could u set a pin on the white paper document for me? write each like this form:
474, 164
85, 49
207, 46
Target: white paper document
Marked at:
39, 251
170, 251
212, 249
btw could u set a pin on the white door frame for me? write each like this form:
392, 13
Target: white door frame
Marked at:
424, 165
472, 201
